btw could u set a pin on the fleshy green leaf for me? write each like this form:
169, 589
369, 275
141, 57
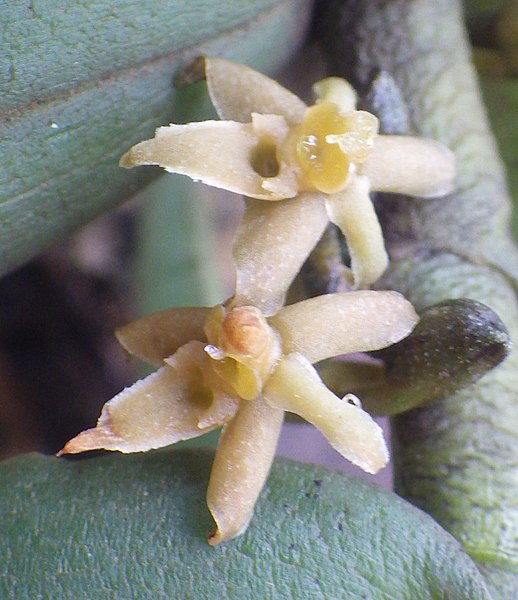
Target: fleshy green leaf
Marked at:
82, 84
176, 259
136, 526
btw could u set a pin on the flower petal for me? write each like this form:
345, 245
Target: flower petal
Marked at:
296, 387
271, 244
344, 322
238, 91
165, 407
410, 165
243, 459
338, 91
218, 153
159, 335
353, 212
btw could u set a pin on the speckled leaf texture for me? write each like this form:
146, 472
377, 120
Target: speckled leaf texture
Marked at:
136, 526
82, 81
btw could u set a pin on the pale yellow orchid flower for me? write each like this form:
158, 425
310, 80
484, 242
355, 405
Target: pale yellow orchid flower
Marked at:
327, 158
234, 367
242, 365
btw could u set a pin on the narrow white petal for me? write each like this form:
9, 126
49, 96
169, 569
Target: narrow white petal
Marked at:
155, 337
409, 165
272, 243
243, 459
344, 322
218, 153
296, 387
169, 405
353, 212
238, 91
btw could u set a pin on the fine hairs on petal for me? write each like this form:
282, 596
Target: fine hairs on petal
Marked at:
296, 387
264, 271
359, 321
100, 437
243, 459
156, 336
216, 153
412, 166
353, 212
237, 91
161, 409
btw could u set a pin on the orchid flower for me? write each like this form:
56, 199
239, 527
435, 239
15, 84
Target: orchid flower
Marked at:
234, 367
318, 163
240, 366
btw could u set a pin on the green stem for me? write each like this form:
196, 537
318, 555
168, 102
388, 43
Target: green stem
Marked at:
455, 458
175, 262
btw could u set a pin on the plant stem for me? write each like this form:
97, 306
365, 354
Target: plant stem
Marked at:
455, 458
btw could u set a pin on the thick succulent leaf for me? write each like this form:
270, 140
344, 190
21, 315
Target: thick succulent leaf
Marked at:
36, 37
80, 86
136, 526
175, 265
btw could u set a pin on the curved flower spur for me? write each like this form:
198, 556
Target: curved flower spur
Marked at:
237, 368
324, 160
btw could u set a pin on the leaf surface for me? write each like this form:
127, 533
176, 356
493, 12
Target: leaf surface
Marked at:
136, 526
82, 83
